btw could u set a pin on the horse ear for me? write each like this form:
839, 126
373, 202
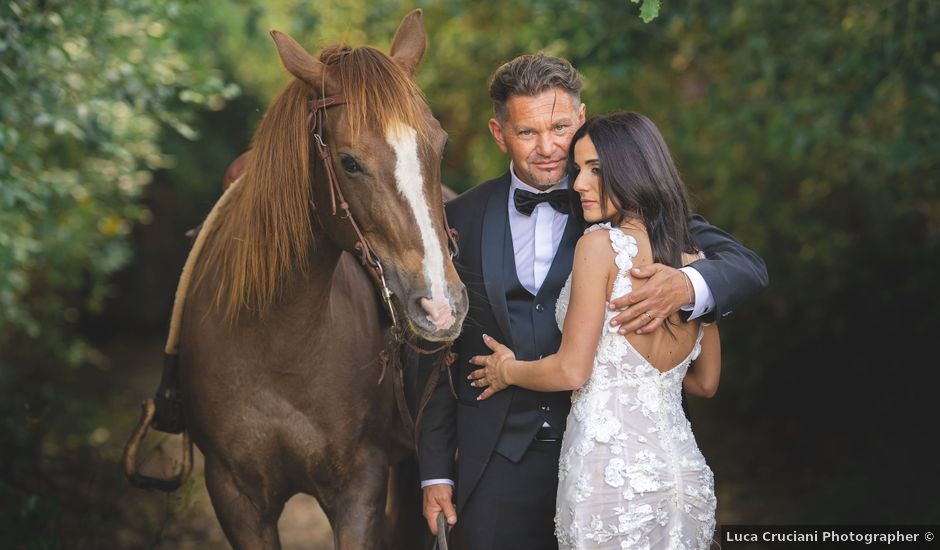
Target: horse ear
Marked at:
297, 61
410, 42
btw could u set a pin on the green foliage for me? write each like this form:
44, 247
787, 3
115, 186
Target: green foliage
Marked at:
87, 90
649, 9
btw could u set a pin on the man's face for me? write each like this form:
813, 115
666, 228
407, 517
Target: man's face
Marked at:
537, 134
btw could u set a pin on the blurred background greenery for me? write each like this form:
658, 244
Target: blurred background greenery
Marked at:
810, 130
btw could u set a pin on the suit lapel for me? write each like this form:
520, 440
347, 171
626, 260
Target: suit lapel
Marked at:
564, 257
495, 225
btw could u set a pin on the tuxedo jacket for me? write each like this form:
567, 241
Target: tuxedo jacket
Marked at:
458, 437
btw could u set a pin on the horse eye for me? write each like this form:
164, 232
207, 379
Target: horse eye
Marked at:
350, 165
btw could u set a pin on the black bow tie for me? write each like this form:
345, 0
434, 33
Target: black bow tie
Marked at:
526, 201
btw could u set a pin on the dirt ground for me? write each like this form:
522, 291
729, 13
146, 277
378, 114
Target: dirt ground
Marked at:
302, 525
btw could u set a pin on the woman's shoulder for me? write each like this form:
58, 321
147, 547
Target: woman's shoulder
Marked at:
629, 239
594, 258
595, 243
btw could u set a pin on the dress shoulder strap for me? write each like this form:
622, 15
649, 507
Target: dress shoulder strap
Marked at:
624, 245
596, 226
626, 249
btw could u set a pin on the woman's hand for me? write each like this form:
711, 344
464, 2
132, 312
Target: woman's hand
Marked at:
493, 375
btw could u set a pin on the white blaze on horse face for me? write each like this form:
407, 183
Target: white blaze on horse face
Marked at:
410, 181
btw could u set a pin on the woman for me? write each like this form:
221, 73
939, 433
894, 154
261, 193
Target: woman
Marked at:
630, 472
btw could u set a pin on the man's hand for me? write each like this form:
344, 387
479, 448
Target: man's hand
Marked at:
439, 498
644, 310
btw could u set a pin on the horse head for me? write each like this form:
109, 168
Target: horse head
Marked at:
375, 181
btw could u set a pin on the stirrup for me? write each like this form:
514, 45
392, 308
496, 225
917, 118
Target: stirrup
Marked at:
133, 445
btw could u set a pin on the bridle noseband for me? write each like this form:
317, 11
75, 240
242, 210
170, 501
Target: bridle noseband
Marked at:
367, 254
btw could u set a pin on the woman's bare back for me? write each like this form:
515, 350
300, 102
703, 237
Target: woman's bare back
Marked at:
672, 342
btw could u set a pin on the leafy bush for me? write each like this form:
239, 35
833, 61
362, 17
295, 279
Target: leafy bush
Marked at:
86, 88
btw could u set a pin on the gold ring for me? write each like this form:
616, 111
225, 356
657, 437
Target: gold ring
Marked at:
648, 316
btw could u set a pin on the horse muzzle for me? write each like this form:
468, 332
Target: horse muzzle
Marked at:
436, 316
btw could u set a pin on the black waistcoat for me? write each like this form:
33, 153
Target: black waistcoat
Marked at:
534, 334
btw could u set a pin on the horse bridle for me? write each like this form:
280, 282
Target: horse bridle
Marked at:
367, 254
369, 258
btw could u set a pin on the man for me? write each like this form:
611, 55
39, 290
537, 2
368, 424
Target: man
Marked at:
517, 238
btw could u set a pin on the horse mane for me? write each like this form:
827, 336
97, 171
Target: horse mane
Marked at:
265, 230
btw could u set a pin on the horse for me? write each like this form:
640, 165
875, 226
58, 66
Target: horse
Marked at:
281, 336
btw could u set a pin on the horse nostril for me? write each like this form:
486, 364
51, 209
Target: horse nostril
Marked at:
438, 313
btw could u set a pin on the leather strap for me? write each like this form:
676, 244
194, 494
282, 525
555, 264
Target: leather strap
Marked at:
445, 362
440, 543
367, 254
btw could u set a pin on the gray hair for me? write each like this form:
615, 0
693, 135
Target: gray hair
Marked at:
530, 75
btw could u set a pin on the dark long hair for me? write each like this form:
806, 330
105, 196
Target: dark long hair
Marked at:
640, 178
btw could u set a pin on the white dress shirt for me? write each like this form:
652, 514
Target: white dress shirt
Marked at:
535, 238
704, 301
535, 241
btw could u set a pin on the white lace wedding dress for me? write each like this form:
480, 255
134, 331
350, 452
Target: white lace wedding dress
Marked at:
630, 473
